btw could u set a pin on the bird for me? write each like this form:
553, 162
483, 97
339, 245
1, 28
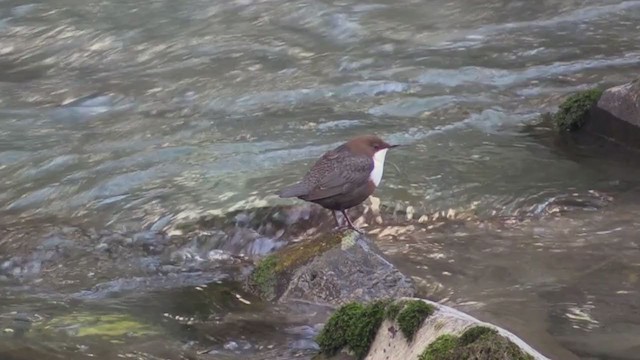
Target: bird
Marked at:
343, 177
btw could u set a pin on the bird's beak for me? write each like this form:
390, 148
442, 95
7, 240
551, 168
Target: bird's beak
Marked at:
393, 146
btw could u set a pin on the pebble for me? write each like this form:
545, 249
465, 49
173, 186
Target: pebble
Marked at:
231, 345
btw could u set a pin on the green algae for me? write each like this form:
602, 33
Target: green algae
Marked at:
102, 325
572, 113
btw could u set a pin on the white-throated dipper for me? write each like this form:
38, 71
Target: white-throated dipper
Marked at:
343, 177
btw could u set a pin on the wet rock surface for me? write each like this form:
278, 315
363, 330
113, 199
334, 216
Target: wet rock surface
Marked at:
446, 321
612, 113
623, 102
354, 270
616, 116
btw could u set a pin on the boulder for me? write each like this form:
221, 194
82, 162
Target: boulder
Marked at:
331, 269
613, 114
616, 115
412, 328
622, 102
448, 325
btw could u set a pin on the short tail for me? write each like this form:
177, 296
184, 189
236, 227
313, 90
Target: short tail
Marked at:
294, 190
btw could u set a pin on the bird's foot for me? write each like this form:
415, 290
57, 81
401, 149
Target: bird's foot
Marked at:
348, 225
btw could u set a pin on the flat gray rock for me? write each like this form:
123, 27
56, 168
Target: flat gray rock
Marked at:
355, 270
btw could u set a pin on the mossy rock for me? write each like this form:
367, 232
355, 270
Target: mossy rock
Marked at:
483, 343
353, 326
271, 274
412, 315
477, 343
573, 112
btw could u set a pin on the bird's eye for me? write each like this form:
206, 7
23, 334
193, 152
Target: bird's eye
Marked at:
376, 146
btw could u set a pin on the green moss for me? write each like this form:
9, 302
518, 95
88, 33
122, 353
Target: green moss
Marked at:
364, 331
572, 113
353, 326
412, 315
264, 277
474, 333
483, 343
440, 349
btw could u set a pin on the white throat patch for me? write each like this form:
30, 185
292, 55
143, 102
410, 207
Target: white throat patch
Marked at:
378, 165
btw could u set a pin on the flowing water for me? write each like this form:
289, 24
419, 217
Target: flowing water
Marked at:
119, 113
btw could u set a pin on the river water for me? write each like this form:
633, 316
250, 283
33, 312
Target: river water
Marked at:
114, 114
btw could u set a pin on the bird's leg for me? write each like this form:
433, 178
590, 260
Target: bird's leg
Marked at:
344, 212
335, 218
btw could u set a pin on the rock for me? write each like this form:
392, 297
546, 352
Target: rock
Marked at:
475, 339
613, 114
332, 269
617, 114
413, 328
623, 102
231, 345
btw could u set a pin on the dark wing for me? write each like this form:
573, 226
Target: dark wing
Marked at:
295, 190
337, 172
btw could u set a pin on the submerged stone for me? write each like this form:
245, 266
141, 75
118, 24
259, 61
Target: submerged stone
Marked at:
101, 325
